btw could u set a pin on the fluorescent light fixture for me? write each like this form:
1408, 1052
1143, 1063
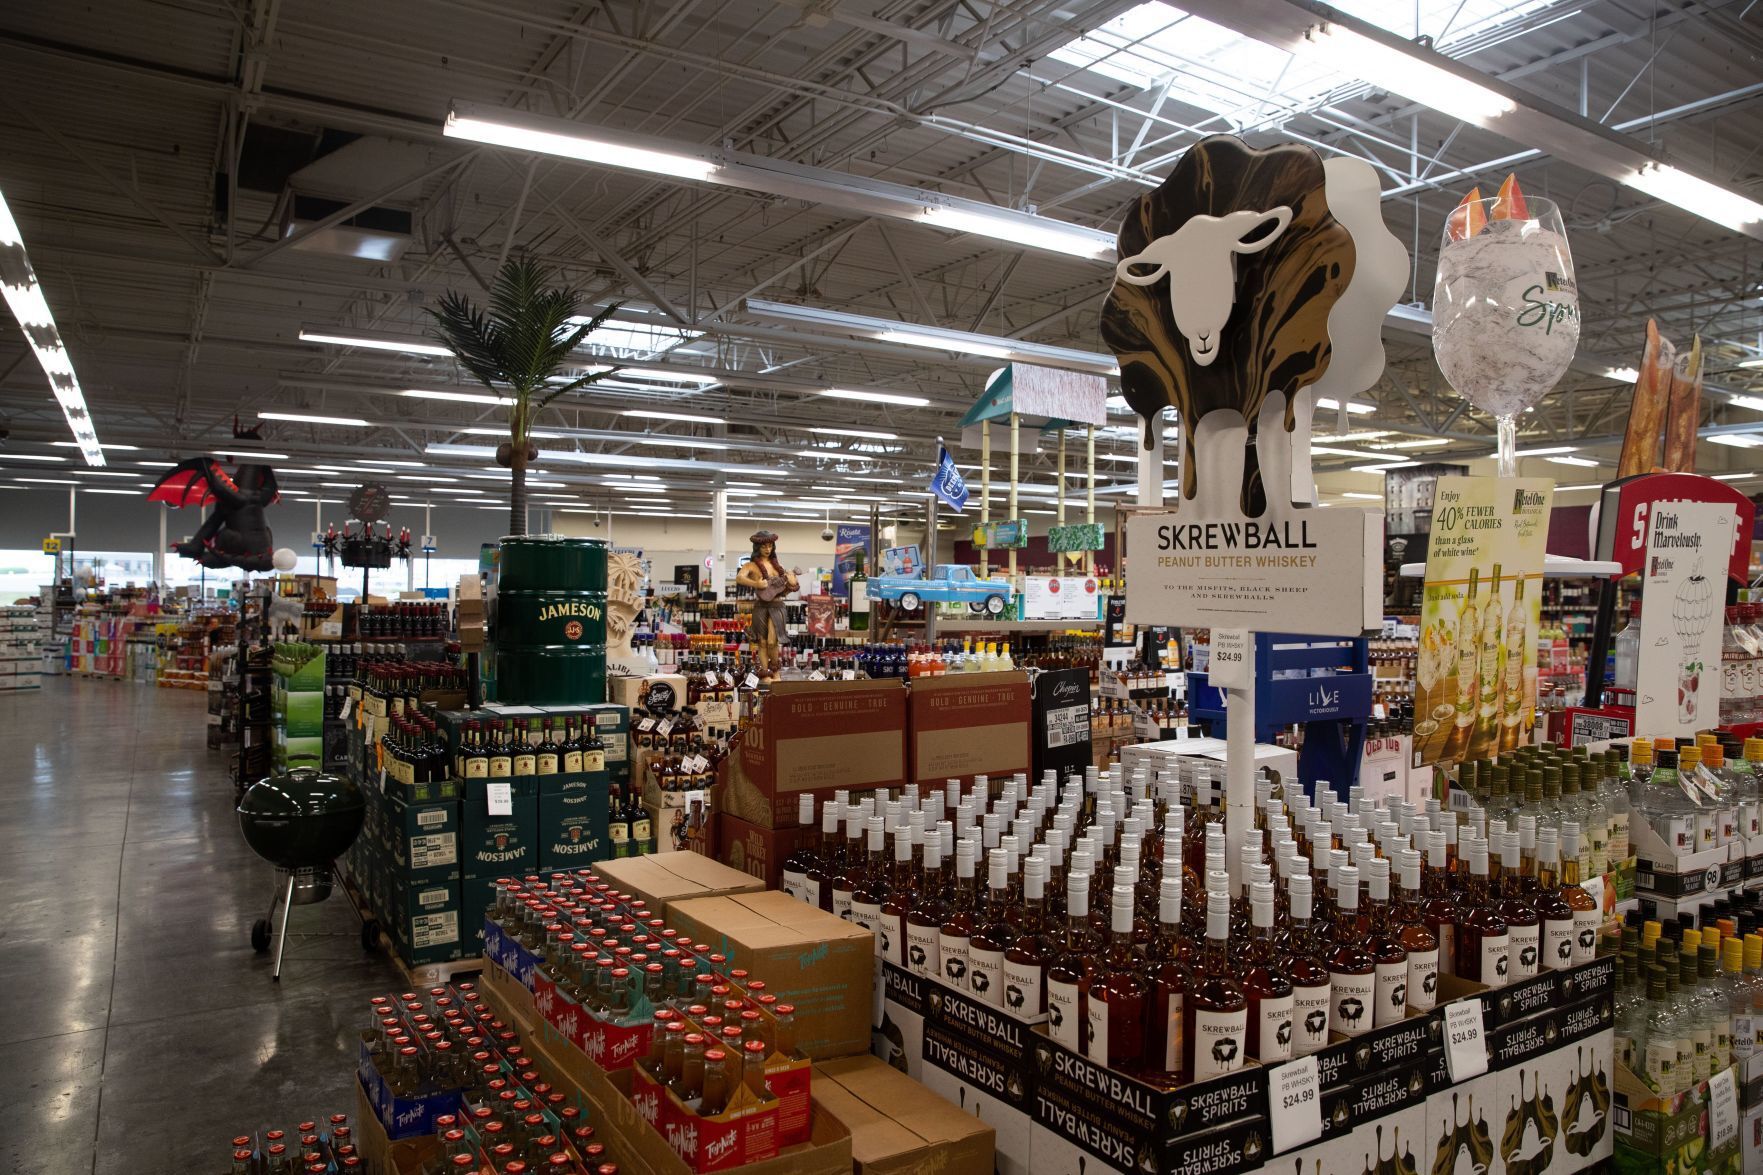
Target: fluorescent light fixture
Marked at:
426, 477
1587, 462
101, 473
752, 493
754, 471
836, 455
935, 338
1353, 406
1627, 375
400, 464
109, 447
252, 454
303, 418
1369, 497
1550, 451
856, 432
49, 481
1417, 443
688, 418
663, 375
157, 464
373, 342
1734, 476
1017, 228
1409, 71
1382, 468
1752, 402
103, 490
1331, 451
6, 456
458, 397
552, 136
1737, 440
874, 397
1694, 194
677, 442
532, 434
24, 295
1751, 362
631, 477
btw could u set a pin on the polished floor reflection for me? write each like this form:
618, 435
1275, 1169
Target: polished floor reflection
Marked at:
139, 1031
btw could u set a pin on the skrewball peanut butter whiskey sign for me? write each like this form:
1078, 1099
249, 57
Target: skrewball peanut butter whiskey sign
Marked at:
1476, 677
1247, 279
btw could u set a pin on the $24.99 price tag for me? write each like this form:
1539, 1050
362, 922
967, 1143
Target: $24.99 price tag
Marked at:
1295, 1097
1466, 1049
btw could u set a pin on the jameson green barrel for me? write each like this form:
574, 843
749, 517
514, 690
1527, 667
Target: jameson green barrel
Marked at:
551, 621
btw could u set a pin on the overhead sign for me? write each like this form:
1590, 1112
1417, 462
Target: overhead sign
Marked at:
1071, 597
1001, 535
1075, 537
1624, 510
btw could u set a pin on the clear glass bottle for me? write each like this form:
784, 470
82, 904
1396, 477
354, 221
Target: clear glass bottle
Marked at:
1468, 657
1522, 920
1352, 970
1627, 645
1484, 941
1385, 946
1657, 1041
1070, 976
955, 936
1493, 646
1588, 916
1027, 957
993, 935
1269, 988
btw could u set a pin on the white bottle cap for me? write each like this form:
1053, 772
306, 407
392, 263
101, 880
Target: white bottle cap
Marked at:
933, 852
966, 852
1261, 904
829, 819
1034, 880
1478, 856
1218, 916
1436, 854
1298, 891
1169, 899
1346, 888
805, 810
997, 869
1077, 894
1569, 840
1218, 882
877, 834
1377, 880
1122, 908
902, 844
1408, 862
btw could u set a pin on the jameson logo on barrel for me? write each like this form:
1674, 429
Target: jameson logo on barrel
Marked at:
571, 608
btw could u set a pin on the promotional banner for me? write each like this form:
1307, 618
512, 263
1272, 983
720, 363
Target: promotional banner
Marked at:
850, 544
820, 614
1476, 684
1061, 598
947, 484
1683, 593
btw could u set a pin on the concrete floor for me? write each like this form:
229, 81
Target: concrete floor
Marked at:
138, 1030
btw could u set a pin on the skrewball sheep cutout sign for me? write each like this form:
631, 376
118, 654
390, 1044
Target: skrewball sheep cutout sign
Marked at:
1244, 280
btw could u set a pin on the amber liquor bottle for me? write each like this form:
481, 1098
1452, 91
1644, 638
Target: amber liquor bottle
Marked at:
855, 862
1587, 916
1417, 938
1523, 923
1072, 972
1120, 996
902, 896
1215, 1008
806, 856
924, 921
1438, 908
872, 889
1026, 959
1551, 906
1303, 961
994, 934
1385, 947
1352, 971
955, 937
817, 879
1484, 941
1266, 983
1169, 974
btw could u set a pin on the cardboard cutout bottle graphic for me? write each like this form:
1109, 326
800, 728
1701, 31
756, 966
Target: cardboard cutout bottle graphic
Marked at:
1527, 1143
1586, 1107
1466, 1148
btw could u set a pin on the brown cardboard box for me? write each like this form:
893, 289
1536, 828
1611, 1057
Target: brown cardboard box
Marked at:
663, 879
969, 724
823, 965
816, 736
898, 1127
743, 845
656, 692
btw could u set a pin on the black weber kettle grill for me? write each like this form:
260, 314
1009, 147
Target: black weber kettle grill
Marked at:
301, 821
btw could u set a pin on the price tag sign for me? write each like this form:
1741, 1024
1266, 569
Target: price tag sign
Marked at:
382, 779
1295, 1096
751, 681
501, 797
1723, 1110
817, 675
348, 709
847, 675
1230, 666
646, 724
665, 727
1466, 1049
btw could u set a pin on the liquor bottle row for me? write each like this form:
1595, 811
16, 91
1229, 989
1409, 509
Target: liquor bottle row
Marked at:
306, 1147
1110, 908
349, 659
1687, 1006
497, 1109
405, 620
517, 748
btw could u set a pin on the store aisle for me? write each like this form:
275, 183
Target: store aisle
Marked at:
140, 1031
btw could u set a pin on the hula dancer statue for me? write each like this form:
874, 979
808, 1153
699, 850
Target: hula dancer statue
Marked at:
771, 583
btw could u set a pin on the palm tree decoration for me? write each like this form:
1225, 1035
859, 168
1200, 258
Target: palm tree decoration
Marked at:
515, 347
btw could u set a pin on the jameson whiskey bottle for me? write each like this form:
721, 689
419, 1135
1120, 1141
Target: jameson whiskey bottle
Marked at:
548, 762
642, 826
1419, 940
501, 751
525, 757
1492, 646
1215, 1008
571, 752
1070, 976
1517, 645
1468, 652
1303, 963
618, 826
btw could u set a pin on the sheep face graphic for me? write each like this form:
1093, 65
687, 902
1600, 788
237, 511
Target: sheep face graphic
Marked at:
1527, 956
956, 969
1501, 965
1399, 996
1055, 1016
1588, 940
915, 955
1430, 985
1316, 1023
1564, 951
1284, 1033
980, 982
1224, 1051
1013, 998
887, 945
1352, 1010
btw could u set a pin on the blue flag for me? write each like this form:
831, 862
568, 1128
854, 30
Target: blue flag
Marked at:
947, 483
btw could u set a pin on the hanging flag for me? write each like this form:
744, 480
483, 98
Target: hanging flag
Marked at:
947, 483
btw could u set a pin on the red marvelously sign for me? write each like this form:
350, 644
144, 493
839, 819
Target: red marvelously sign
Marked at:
1626, 509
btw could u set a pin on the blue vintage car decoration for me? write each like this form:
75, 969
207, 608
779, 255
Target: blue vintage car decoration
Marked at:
949, 583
